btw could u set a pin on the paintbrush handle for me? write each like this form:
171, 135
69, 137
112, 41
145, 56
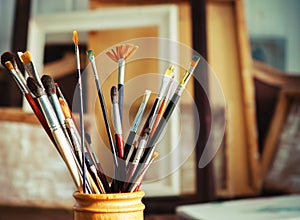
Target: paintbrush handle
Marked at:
120, 145
159, 116
107, 125
121, 99
65, 149
152, 141
38, 112
162, 123
129, 143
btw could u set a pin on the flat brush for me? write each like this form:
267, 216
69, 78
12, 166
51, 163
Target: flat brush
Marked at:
120, 55
91, 57
75, 40
135, 124
29, 66
57, 132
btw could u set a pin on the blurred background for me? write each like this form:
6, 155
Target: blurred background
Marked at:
253, 48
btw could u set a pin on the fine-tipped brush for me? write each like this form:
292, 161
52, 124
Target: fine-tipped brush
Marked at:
166, 116
57, 131
29, 66
91, 57
135, 124
75, 40
120, 55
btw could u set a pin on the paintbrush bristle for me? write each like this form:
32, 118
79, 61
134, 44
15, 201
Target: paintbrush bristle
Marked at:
121, 52
90, 54
9, 65
75, 38
170, 71
7, 56
65, 108
48, 84
26, 57
35, 87
114, 94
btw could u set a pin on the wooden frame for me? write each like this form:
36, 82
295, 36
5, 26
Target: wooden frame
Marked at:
230, 57
276, 127
163, 16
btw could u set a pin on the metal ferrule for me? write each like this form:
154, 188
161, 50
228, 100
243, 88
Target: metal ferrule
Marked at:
164, 86
121, 70
140, 150
57, 109
49, 112
77, 57
138, 117
19, 81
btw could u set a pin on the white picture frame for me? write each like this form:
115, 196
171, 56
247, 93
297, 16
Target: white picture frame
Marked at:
164, 16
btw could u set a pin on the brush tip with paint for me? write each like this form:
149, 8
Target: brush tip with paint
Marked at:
65, 108
7, 56
35, 87
75, 38
114, 94
48, 84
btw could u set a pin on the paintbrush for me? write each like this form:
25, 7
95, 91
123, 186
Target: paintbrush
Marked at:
91, 57
166, 116
75, 40
120, 55
50, 89
135, 124
57, 131
29, 66
18, 76
173, 102
117, 122
8, 61
163, 106
163, 87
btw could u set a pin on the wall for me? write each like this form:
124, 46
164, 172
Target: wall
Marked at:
277, 18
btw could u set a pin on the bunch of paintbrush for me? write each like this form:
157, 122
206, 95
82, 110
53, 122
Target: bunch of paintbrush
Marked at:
54, 115
132, 156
